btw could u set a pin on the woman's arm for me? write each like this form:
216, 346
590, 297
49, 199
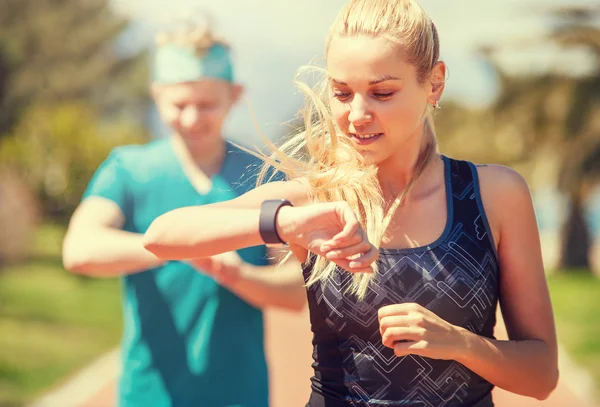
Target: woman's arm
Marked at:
528, 362
204, 231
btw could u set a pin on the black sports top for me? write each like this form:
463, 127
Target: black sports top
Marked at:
456, 277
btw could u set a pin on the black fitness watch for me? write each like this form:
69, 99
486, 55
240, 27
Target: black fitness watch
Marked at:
267, 224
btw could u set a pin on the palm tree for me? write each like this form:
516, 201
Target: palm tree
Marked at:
581, 133
557, 118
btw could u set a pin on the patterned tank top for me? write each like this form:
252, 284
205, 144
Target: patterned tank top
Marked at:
456, 277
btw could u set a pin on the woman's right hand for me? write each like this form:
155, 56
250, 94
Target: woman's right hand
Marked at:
331, 230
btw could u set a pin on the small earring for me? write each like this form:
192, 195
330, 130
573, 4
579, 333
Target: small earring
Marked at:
437, 105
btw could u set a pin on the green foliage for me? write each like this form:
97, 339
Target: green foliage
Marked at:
53, 51
58, 148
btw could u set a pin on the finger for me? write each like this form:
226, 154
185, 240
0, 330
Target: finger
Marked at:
349, 251
398, 309
351, 229
347, 215
411, 348
351, 225
366, 259
339, 241
406, 333
226, 276
393, 321
216, 269
413, 319
363, 262
345, 264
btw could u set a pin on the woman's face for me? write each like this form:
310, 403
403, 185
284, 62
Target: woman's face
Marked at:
375, 96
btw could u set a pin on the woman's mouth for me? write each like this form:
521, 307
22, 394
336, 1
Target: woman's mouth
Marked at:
364, 139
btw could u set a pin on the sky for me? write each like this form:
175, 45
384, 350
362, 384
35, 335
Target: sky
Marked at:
272, 38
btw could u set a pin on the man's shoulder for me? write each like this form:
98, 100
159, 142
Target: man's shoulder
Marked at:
142, 158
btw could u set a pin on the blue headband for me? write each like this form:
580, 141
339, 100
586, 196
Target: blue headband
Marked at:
176, 64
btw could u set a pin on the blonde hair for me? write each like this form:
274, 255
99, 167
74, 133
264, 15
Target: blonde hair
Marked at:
331, 165
197, 33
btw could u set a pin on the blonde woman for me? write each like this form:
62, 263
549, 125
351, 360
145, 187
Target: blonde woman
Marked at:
193, 331
406, 252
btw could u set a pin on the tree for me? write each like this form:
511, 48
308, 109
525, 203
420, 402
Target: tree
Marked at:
556, 117
54, 51
580, 167
57, 149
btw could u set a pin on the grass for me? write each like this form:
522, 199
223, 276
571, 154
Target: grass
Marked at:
52, 323
576, 301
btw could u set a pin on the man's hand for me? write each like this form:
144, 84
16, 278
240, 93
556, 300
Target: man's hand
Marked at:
225, 268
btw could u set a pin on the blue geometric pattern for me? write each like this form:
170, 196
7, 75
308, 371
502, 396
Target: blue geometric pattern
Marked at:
456, 277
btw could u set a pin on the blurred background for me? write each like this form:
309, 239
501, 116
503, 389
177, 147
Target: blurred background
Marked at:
523, 90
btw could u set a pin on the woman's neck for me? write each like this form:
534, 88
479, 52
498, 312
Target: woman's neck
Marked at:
397, 172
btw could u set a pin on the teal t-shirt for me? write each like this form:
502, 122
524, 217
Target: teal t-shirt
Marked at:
187, 341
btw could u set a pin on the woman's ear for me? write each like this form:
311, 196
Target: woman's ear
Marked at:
438, 82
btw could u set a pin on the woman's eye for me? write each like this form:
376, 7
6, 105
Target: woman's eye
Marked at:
341, 95
383, 95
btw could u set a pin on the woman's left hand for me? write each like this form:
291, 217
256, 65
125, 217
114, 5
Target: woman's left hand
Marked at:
412, 329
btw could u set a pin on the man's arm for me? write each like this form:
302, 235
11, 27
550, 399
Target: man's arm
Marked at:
95, 245
261, 286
